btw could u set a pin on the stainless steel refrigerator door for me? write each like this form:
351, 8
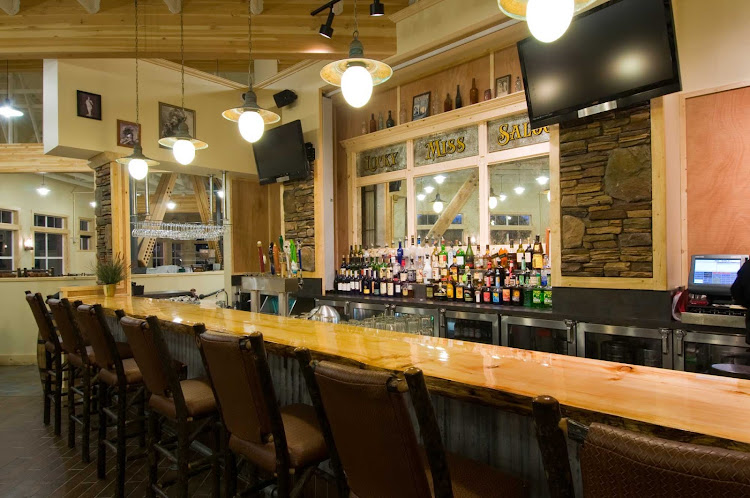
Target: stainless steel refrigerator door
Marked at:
631, 343
696, 351
413, 310
360, 311
489, 321
515, 333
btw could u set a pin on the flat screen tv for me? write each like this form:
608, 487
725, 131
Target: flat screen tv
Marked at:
280, 154
616, 55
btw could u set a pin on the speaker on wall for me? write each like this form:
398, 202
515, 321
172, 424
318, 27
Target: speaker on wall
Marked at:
284, 98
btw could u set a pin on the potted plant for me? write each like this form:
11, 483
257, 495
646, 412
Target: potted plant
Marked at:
110, 272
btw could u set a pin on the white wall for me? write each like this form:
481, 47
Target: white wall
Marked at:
202, 282
18, 193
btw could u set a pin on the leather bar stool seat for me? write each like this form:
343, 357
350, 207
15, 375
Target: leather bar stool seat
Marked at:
123, 348
132, 374
472, 479
305, 442
198, 395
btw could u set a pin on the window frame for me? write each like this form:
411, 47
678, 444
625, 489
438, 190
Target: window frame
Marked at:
15, 228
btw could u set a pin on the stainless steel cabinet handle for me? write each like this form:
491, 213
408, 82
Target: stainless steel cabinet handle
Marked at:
346, 308
571, 326
679, 342
665, 333
442, 318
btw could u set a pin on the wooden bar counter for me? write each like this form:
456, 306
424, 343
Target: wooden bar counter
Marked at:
690, 407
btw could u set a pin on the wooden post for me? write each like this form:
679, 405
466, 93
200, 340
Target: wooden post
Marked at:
201, 197
455, 205
553, 446
161, 197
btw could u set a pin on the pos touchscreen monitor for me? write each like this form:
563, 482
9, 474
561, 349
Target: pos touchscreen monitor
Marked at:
714, 274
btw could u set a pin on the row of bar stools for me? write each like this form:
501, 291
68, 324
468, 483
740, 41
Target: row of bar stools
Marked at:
81, 371
375, 451
186, 405
286, 442
53, 362
120, 389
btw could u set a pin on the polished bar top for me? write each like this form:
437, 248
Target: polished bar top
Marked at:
718, 407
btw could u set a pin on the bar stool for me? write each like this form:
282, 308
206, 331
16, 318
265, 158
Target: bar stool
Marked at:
120, 389
80, 368
283, 441
367, 425
616, 463
53, 363
188, 405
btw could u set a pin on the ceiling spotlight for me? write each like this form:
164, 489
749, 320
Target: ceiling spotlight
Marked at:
519, 190
429, 189
377, 9
326, 30
440, 179
42, 189
421, 197
542, 180
171, 205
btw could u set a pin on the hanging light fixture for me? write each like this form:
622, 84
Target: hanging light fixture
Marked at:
502, 195
171, 205
42, 189
519, 189
137, 162
326, 30
377, 9
542, 179
421, 196
251, 118
429, 189
356, 75
548, 19
437, 204
440, 179
492, 199
182, 144
7, 110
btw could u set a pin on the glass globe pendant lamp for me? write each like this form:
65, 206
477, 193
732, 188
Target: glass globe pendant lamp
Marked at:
250, 117
137, 162
437, 204
356, 75
548, 19
183, 145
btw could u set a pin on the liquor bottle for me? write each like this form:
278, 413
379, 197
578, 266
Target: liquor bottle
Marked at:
450, 289
373, 123
487, 295
453, 271
489, 277
520, 256
537, 256
429, 291
440, 291
469, 291
459, 291
366, 286
447, 103
384, 282
459, 102
397, 284
479, 259
427, 271
390, 284
474, 92
375, 283
528, 255
293, 263
460, 256
506, 290
516, 291
498, 295
443, 261
381, 123
547, 296
390, 123
469, 258
411, 271
364, 128
400, 253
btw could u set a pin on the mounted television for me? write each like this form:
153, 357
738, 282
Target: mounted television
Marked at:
616, 55
280, 154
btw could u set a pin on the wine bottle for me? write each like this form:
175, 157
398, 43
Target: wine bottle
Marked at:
459, 102
469, 255
390, 123
474, 92
373, 123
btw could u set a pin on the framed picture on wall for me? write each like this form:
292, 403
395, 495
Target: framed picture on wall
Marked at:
128, 133
420, 106
171, 116
89, 105
502, 85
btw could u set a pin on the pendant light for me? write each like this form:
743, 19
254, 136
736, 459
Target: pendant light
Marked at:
437, 204
137, 162
7, 110
548, 19
502, 195
251, 118
356, 75
42, 189
493, 199
182, 144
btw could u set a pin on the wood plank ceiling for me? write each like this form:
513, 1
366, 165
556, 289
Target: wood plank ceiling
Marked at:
215, 31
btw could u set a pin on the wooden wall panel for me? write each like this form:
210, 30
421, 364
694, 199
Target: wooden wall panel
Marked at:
718, 172
444, 82
251, 208
507, 62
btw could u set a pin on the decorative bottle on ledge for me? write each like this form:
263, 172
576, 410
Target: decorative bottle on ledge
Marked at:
381, 125
474, 92
459, 102
519, 85
364, 127
373, 123
448, 103
390, 123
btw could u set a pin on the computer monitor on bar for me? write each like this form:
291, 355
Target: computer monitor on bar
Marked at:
714, 274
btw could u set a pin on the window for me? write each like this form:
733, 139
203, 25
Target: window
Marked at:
48, 251
7, 216
157, 259
383, 213
85, 243
85, 234
6, 250
41, 220
177, 254
448, 205
84, 225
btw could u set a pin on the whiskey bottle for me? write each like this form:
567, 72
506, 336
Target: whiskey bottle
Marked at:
537, 256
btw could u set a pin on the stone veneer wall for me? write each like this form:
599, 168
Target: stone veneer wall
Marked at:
605, 186
299, 218
103, 212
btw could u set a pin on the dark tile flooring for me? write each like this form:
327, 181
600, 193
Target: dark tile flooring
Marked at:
36, 463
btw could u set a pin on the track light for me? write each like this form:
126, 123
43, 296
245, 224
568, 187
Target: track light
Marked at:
325, 29
377, 9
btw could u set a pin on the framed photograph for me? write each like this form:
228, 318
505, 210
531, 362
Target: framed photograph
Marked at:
502, 85
170, 117
89, 105
128, 134
420, 106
